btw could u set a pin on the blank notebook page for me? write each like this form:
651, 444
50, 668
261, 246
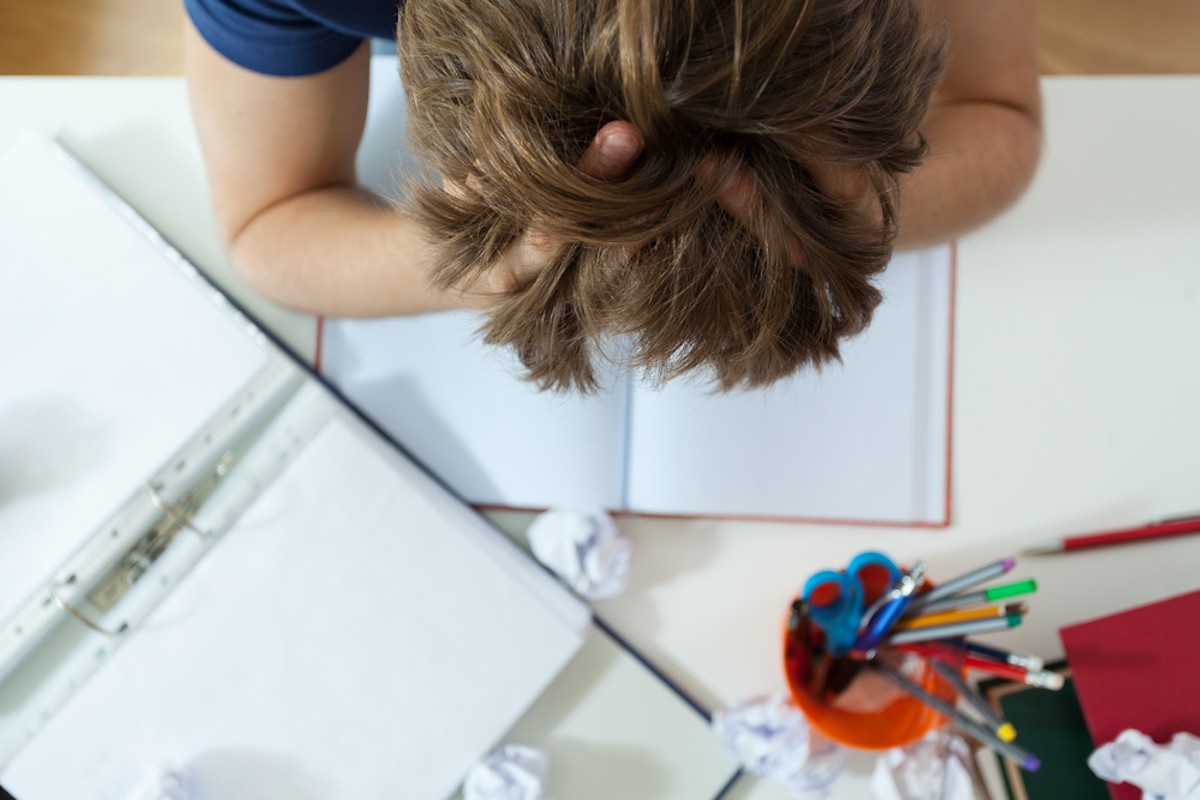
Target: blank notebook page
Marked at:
460, 407
865, 439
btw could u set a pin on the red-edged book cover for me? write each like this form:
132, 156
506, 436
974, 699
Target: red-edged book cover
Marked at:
1138, 669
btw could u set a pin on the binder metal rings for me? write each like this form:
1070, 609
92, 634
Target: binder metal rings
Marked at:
165, 507
67, 607
172, 513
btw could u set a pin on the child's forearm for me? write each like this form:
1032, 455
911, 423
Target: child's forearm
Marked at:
982, 156
339, 251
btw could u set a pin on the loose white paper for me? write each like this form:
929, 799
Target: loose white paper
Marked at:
511, 772
938, 767
584, 548
163, 783
773, 739
1163, 772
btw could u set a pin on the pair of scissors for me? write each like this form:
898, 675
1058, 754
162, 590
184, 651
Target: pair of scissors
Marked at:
837, 601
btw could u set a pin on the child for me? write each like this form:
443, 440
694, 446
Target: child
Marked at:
747, 172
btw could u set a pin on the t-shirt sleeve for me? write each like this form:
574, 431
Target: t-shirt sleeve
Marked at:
270, 36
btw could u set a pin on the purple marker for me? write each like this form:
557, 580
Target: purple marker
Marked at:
958, 584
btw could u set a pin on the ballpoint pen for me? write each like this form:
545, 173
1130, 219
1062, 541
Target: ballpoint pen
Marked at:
962, 582
976, 598
891, 607
955, 629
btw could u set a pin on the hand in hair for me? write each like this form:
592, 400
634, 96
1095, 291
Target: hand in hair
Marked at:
610, 155
741, 196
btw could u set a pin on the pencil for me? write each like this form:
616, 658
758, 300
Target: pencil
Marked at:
962, 582
1040, 678
956, 629
935, 651
1014, 657
948, 617
956, 650
1153, 530
1022, 757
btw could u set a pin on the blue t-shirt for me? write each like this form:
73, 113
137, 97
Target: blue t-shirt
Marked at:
291, 37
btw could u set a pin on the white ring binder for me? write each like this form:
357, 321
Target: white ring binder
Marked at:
144, 549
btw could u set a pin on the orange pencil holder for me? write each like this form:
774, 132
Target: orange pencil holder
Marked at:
869, 713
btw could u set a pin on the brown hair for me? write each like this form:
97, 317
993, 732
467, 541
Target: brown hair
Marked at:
505, 95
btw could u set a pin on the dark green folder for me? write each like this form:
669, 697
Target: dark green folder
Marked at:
1050, 725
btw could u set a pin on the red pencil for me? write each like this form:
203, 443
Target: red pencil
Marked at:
1154, 530
952, 655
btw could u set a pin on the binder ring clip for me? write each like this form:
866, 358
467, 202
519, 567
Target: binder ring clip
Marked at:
168, 509
75, 613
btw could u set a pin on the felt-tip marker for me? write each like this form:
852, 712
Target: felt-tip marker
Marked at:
1023, 758
962, 582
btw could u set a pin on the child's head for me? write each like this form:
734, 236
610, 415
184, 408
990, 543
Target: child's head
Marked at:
505, 95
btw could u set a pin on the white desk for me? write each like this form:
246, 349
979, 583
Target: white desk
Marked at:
1077, 381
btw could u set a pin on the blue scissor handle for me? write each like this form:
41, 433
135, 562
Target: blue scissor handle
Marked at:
842, 618
871, 558
839, 619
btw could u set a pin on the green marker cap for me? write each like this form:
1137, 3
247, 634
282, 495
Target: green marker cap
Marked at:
1011, 589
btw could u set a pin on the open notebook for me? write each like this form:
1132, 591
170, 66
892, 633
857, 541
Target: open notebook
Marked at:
354, 631
866, 440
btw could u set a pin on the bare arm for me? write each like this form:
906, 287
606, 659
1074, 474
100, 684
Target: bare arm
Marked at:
280, 158
984, 126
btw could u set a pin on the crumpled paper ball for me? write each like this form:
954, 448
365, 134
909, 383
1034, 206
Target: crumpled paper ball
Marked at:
511, 772
583, 548
772, 738
1162, 772
937, 767
163, 783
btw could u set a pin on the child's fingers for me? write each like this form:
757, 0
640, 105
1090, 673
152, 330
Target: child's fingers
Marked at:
610, 155
741, 198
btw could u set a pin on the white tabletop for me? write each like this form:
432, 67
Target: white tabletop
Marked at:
1076, 386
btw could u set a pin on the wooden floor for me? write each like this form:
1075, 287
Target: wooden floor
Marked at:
142, 37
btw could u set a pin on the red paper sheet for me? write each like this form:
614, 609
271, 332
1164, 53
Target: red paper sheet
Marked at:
1138, 669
